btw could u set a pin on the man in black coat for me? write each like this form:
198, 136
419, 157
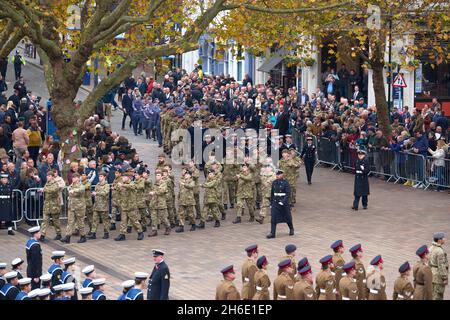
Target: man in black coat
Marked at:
282, 123
309, 157
6, 212
127, 107
361, 190
279, 202
34, 257
159, 282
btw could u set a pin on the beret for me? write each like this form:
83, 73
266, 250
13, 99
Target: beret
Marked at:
377, 260
290, 248
285, 263
327, 259
404, 267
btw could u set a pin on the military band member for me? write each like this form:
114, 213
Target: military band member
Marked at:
245, 194
423, 277
56, 268
89, 272
226, 290
127, 285
325, 280
249, 269
290, 250
357, 255
140, 284
158, 193
98, 292
439, 265
86, 293
338, 262
403, 288
9, 290
309, 157
25, 288
16, 265
283, 284
101, 206
303, 288
376, 283
34, 257
52, 206
348, 287
77, 209
186, 201
262, 280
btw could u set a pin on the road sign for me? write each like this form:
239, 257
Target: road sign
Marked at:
397, 94
399, 81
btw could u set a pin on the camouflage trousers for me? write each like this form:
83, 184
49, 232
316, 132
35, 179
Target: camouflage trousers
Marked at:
265, 206
96, 219
438, 291
76, 220
197, 204
230, 190
46, 220
240, 207
143, 216
171, 212
186, 212
131, 216
159, 216
257, 195
293, 195
210, 209
90, 216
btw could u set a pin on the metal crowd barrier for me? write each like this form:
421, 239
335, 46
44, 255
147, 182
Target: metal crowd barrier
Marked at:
328, 152
17, 206
382, 163
410, 167
438, 176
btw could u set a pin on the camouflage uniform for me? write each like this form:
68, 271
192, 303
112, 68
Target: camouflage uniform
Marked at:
170, 194
129, 208
219, 190
159, 214
290, 168
257, 195
89, 205
186, 201
101, 207
210, 200
195, 176
230, 172
140, 201
148, 202
52, 207
266, 188
245, 194
116, 195
439, 267
77, 209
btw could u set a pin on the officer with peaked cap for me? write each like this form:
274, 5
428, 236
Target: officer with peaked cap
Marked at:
361, 189
325, 280
283, 284
98, 293
16, 265
159, 282
403, 288
6, 213
86, 293
338, 261
56, 268
9, 290
34, 257
309, 157
89, 272
226, 289
423, 277
249, 269
127, 285
376, 281
439, 265
140, 283
262, 280
303, 288
25, 288
357, 254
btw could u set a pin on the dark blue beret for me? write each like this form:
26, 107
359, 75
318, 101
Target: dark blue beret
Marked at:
305, 270
349, 266
404, 267
290, 248
253, 247
261, 261
302, 263
284, 263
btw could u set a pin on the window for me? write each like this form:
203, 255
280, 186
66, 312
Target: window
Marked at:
239, 71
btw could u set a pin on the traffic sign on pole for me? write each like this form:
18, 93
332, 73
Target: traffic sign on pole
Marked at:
399, 81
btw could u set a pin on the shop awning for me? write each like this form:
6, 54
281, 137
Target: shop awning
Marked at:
270, 63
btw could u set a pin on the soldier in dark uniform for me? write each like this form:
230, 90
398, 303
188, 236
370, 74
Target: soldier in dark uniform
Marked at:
6, 213
34, 257
159, 282
361, 190
9, 291
279, 200
309, 157
55, 269
16, 265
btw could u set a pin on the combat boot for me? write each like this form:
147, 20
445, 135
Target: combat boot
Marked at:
260, 220
112, 227
232, 206
129, 229
198, 216
154, 233
58, 237
144, 228
92, 236
179, 229
82, 239
291, 232
209, 219
270, 236
140, 236
172, 225
193, 226
120, 237
167, 232
225, 205
106, 235
89, 234
201, 225
237, 220
217, 224
258, 206
252, 218
76, 233
66, 239
224, 216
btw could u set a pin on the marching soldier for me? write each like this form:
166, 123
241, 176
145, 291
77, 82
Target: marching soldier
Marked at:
34, 257
116, 200
159, 282
77, 209
245, 194
89, 213
361, 189
195, 173
89, 272
210, 201
267, 178
357, 254
101, 205
9, 290
230, 172
16, 265
283, 284
129, 209
141, 197
423, 277
301, 264
309, 157
140, 284
290, 250
56, 268
217, 167
159, 214
325, 281
303, 288
290, 166
338, 261
249, 269
403, 288
170, 194
148, 188
52, 207
348, 288
261, 279
279, 200
439, 265
98, 292
186, 201
226, 290
162, 162
376, 281
127, 285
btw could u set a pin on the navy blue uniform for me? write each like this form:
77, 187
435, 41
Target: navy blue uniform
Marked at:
309, 158
8, 292
56, 272
22, 296
67, 277
159, 283
87, 283
134, 294
361, 190
279, 200
98, 295
34, 262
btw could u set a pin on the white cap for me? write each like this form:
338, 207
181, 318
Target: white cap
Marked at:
10, 275
88, 269
98, 281
46, 277
24, 281
141, 275
3, 265
58, 287
58, 254
84, 291
16, 262
34, 293
34, 229
68, 286
127, 284
69, 261
44, 292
